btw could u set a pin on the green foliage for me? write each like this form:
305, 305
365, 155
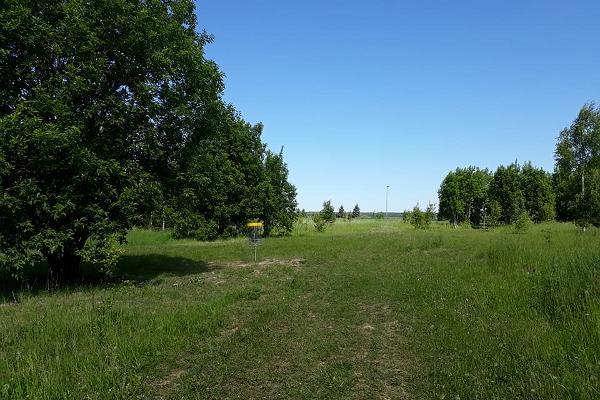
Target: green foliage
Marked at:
341, 213
84, 86
356, 211
279, 196
188, 224
319, 222
378, 215
536, 185
463, 195
421, 219
523, 222
577, 158
505, 188
110, 116
327, 212
233, 178
141, 200
430, 213
591, 199
493, 212
477, 197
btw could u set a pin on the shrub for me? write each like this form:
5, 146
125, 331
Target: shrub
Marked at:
189, 225
320, 222
523, 223
327, 212
421, 219
230, 231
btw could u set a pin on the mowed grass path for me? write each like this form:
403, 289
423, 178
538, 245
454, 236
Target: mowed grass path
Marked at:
368, 309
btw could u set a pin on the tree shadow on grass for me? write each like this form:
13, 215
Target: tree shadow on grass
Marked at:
149, 266
139, 269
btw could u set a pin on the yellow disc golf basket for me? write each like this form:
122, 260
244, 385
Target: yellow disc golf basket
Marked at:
254, 235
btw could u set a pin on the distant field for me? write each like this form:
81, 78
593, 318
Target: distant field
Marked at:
371, 309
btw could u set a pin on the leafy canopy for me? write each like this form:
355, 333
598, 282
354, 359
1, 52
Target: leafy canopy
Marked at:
110, 116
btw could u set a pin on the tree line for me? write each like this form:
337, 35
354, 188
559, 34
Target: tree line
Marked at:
571, 193
111, 117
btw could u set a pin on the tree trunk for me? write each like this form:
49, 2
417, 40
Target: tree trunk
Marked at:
63, 267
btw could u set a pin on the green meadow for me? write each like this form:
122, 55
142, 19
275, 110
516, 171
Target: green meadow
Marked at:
371, 309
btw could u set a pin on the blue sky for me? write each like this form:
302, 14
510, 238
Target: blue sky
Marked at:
368, 94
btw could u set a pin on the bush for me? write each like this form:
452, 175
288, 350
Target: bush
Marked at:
320, 222
523, 223
189, 225
230, 231
327, 212
420, 219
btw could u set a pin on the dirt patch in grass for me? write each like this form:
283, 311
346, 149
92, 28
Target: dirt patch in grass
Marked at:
266, 263
382, 355
172, 377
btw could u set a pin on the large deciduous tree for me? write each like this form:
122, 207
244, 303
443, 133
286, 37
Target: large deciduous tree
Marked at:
536, 185
219, 173
463, 195
577, 159
279, 204
505, 189
452, 204
111, 114
93, 94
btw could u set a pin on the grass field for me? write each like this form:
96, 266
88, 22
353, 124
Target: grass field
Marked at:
366, 310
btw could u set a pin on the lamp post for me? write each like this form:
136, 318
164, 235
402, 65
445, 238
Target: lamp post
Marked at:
387, 189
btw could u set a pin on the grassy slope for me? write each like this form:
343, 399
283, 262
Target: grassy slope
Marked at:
377, 310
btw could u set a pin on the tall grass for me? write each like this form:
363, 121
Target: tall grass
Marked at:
376, 310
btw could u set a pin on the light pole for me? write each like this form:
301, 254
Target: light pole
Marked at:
387, 189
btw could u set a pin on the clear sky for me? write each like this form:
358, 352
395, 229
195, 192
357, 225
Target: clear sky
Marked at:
365, 94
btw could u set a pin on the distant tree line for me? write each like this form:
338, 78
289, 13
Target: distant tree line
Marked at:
572, 193
111, 117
